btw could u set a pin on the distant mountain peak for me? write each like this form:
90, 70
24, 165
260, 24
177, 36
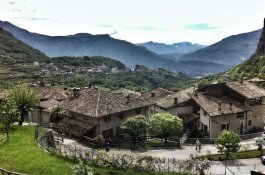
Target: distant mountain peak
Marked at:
261, 45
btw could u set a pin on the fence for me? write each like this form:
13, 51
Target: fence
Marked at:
5, 172
124, 161
251, 136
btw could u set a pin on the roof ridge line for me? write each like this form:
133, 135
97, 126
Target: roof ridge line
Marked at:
97, 104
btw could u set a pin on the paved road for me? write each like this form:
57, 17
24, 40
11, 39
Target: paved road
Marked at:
236, 167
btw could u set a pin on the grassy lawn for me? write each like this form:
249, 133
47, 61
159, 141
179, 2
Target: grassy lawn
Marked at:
232, 156
21, 154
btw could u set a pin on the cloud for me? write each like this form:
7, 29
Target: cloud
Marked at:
11, 2
105, 25
114, 32
201, 26
145, 28
34, 18
16, 10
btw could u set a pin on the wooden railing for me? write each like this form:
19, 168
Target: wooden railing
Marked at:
5, 172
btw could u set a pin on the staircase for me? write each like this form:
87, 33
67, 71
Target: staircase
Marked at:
185, 136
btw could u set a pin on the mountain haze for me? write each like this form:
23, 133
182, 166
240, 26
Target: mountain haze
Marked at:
231, 51
181, 48
84, 44
255, 65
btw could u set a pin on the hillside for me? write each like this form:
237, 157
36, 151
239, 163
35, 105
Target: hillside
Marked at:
255, 66
86, 62
13, 51
84, 44
231, 51
140, 81
180, 48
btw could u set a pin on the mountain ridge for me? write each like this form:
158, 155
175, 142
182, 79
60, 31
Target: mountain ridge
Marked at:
231, 50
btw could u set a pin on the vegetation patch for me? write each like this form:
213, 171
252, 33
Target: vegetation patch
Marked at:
232, 156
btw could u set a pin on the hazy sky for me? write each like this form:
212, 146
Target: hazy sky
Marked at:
202, 21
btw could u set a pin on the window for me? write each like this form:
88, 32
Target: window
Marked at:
255, 101
138, 111
225, 126
120, 116
249, 123
107, 119
107, 133
205, 128
240, 115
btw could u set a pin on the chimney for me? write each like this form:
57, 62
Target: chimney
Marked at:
153, 94
230, 105
76, 92
219, 105
176, 100
128, 99
242, 80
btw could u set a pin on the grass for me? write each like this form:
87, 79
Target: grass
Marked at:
21, 154
161, 144
232, 156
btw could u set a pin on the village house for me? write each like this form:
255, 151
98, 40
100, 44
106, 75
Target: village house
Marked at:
235, 106
50, 98
91, 112
175, 103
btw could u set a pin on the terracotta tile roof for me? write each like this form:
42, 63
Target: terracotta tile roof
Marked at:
49, 105
256, 80
51, 93
159, 93
246, 89
96, 103
169, 100
74, 127
211, 104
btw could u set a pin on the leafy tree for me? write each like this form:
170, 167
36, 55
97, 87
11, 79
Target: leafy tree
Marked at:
56, 115
228, 142
25, 98
8, 114
135, 126
165, 125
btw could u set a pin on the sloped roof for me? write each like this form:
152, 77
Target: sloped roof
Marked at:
211, 104
169, 100
159, 93
49, 105
256, 80
96, 103
52, 93
74, 126
246, 89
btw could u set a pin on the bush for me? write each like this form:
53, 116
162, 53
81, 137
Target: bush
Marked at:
99, 141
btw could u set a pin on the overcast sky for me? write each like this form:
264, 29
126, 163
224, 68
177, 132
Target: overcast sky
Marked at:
201, 21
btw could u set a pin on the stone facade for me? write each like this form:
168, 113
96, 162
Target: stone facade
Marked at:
109, 126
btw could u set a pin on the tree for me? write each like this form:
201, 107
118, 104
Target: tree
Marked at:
56, 115
228, 142
165, 125
25, 98
135, 126
8, 114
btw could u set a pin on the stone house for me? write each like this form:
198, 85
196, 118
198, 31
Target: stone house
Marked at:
176, 103
49, 98
91, 112
235, 106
